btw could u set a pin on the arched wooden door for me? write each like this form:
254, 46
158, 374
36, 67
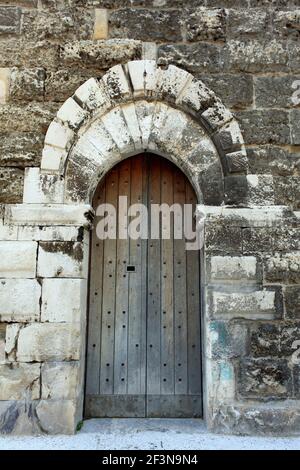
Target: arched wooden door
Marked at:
144, 340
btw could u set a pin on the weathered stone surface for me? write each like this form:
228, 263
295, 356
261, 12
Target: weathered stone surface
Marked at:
233, 268
265, 340
18, 417
27, 84
63, 300
271, 160
48, 412
226, 339
34, 342
264, 126
260, 304
287, 191
145, 25
60, 25
18, 259
204, 24
61, 259
235, 91
261, 379
241, 23
223, 239
60, 380
19, 382
256, 420
11, 185
286, 24
100, 54
276, 91
19, 300
61, 84
271, 239
30, 119
9, 19
250, 189
295, 126
283, 268
255, 56
19, 149
198, 57
20, 53
292, 302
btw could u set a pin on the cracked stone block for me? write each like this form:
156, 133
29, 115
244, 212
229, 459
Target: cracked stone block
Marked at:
60, 380
19, 382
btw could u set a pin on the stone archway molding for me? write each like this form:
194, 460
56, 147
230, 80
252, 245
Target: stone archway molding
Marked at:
138, 107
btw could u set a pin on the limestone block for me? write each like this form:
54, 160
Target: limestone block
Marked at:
57, 416
71, 114
251, 305
19, 381
42, 188
60, 380
205, 24
56, 233
19, 300
132, 123
292, 302
49, 342
53, 159
196, 95
62, 259
200, 57
116, 126
226, 339
59, 135
116, 84
143, 76
100, 54
216, 116
17, 417
63, 300
92, 96
233, 268
4, 84
221, 381
11, 183
171, 82
295, 124
47, 214
18, 259
100, 24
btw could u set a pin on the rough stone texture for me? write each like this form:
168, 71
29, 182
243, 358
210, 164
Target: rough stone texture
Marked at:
11, 185
61, 300
236, 91
27, 84
261, 379
265, 127
18, 259
20, 382
33, 343
60, 259
283, 268
100, 55
19, 300
292, 302
9, 19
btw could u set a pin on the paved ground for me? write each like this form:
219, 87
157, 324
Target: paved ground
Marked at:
172, 434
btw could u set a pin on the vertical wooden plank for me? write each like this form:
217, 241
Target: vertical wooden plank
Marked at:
193, 309
154, 282
167, 306
121, 316
109, 291
180, 304
95, 303
136, 330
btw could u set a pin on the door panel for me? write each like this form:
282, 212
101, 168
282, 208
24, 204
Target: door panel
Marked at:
144, 349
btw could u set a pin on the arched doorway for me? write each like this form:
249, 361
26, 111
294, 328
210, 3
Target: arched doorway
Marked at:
144, 337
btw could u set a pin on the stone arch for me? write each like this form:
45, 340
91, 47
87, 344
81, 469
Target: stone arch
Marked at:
139, 107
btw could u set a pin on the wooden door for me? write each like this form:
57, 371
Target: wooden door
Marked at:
144, 341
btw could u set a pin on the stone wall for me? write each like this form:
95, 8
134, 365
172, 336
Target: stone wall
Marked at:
247, 51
